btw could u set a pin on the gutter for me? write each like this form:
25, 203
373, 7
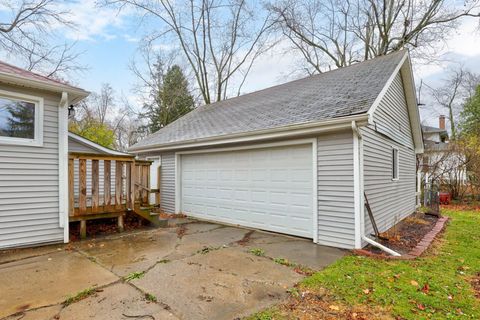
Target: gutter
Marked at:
358, 196
75, 94
284, 132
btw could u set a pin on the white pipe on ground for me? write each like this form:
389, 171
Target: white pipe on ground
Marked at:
381, 247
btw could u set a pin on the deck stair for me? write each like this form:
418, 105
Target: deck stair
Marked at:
147, 213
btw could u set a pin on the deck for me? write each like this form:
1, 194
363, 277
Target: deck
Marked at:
107, 187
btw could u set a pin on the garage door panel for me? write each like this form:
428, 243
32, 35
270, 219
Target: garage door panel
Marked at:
270, 188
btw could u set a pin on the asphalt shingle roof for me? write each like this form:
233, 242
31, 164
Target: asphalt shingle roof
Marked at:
338, 93
11, 69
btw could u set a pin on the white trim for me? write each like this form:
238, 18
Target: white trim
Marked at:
37, 141
405, 69
178, 180
315, 188
63, 165
397, 160
285, 132
412, 105
362, 188
76, 93
357, 186
312, 141
96, 146
385, 88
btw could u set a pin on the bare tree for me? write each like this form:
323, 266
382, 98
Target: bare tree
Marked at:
450, 96
27, 34
219, 39
337, 33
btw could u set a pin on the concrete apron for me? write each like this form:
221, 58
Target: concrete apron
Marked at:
200, 271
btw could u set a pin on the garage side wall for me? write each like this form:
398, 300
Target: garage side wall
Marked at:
390, 200
336, 223
167, 181
29, 204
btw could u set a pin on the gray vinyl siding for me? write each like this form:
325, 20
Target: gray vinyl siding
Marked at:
29, 211
167, 180
75, 146
391, 116
101, 186
336, 223
390, 200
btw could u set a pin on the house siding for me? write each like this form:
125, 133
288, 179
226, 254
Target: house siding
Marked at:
101, 182
390, 200
29, 191
75, 146
167, 180
391, 116
336, 222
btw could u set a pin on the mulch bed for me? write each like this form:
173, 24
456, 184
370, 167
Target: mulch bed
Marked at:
410, 237
103, 227
405, 235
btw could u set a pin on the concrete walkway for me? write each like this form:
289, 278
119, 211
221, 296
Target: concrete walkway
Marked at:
197, 271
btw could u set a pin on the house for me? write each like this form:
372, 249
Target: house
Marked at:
33, 157
442, 162
435, 138
297, 158
49, 176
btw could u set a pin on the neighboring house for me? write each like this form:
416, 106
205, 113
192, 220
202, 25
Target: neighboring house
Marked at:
442, 162
435, 138
297, 158
33, 157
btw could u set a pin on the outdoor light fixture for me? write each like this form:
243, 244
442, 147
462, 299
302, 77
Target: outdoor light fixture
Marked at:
71, 111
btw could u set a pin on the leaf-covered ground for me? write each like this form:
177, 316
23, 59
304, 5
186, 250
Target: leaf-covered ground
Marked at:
439, 285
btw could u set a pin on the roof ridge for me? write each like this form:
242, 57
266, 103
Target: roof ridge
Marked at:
306, 78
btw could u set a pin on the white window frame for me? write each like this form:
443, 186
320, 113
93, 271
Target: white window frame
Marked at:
397, 160
37, 141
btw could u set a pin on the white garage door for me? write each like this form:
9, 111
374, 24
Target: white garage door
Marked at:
269, 188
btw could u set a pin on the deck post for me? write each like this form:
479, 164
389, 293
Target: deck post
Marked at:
83, 229
120, 223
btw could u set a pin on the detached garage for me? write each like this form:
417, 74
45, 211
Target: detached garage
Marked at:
269, 188
298, 157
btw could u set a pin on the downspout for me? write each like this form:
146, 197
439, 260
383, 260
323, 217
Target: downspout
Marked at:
358, 196
63, 165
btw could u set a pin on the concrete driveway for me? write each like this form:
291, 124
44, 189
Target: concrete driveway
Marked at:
197, 271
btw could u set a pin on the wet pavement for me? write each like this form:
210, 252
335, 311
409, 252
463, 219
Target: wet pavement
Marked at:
196, 271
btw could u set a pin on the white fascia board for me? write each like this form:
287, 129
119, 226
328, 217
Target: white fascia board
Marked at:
96, 146
412, 105
387, 85
286, 132
75, 94
63, 166
405, 68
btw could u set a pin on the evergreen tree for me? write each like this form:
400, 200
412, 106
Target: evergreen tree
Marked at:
171, 98
21, 121
470, 116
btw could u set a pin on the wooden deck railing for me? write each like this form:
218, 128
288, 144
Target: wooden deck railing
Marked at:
102, 185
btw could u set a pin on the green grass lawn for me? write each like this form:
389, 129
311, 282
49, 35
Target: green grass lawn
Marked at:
436, 286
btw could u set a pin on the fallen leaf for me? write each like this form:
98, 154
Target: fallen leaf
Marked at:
414, 283
426, 288
334, 307
450, 297
420, 306
366, 291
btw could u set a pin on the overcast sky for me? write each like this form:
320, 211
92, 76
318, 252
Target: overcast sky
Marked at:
110, 40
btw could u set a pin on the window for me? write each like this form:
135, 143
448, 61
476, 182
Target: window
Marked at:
20, 119
395, 164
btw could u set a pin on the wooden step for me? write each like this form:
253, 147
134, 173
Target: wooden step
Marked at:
146, 214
